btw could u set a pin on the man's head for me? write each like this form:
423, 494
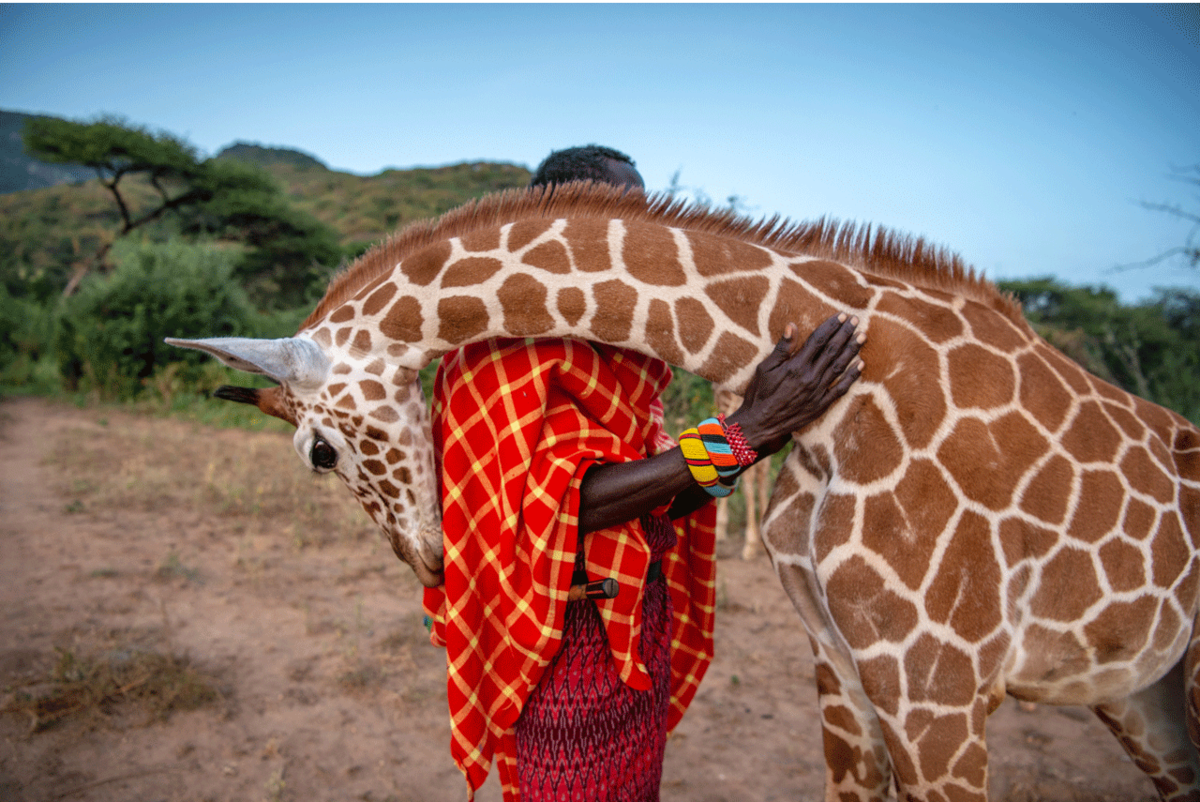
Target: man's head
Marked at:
592, 162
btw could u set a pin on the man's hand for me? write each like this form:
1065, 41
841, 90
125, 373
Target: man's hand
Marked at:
788, 392
791, 389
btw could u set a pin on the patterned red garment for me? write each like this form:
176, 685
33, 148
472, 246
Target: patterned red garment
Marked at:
517, 423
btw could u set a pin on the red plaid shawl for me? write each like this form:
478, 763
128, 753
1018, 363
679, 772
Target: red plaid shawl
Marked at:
517, 423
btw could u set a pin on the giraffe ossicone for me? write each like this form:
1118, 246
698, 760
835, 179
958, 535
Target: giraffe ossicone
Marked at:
976, 517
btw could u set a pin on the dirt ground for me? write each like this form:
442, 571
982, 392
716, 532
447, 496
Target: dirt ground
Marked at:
121, 533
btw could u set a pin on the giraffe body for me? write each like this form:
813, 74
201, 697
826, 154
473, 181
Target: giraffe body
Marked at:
977, 517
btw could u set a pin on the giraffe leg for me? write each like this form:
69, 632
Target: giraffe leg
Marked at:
750, 492
722, 518
1153, 726
939, 752
756, 484
857, 768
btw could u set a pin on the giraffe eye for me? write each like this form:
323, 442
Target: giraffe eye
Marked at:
323, 455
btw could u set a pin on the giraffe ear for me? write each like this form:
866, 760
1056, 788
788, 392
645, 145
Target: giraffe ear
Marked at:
267, 400
291, 360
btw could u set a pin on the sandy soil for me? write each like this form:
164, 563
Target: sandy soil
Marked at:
329, 689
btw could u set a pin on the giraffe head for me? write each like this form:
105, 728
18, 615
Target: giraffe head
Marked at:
356, 416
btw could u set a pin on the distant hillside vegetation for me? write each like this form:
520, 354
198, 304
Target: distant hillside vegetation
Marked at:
364, 209
18, 171
46, 227
269, 157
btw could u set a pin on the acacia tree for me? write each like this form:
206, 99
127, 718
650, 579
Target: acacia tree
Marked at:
1190, 249
221, 197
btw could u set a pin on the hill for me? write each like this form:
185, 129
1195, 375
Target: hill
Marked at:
47, 227
363, 209
269, 157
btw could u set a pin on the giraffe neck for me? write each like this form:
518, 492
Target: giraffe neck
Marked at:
711, 305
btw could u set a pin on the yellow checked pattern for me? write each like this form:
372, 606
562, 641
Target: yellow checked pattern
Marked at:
517, 423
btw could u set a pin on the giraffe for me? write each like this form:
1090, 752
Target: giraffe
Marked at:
755, 485
976, 517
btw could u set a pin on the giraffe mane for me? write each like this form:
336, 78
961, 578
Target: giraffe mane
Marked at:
872, 249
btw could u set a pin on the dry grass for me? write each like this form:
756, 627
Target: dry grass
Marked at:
250, 475
93, 684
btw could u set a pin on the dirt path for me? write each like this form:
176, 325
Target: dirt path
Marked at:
117, 535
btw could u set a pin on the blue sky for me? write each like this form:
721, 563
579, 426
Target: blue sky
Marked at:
1024, 137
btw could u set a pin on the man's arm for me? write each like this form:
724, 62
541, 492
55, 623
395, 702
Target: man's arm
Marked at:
786, 394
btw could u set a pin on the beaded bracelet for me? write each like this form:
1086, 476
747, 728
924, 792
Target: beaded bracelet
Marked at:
695, 454
737, 442
715, 453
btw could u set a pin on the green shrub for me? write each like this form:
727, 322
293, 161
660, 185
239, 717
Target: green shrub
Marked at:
26, 336
110, 334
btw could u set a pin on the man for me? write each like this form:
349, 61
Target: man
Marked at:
576, 698
589, 163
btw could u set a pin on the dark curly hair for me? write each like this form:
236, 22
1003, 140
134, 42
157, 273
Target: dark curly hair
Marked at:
577, 164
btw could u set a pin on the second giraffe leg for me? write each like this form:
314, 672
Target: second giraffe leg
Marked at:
1152, 726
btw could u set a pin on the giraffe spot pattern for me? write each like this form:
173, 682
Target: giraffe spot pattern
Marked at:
461, 317
1169, 552
835, 282
1099, 509
378, 300
523, 300
1091, 437
979, 378
715, 256
471, 271
695, 324
794, 304
1069, 586
965, 593
913, 383
987, 460
739, 299
651, 255
1146, 477
873, 450
1121, 629
572, 304
481, 239
403, 321
613, 319
1052, 655
1043, 392
881, 682
550, 256
886, 532
589, 244
1124, 565
372, 390
524, 232
938, 323
865, 609
660, 331
1048, 493
842, 718
424, 266
937, 739
995, 330
729, 354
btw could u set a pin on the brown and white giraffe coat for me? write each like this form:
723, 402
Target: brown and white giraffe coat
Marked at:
977, 516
